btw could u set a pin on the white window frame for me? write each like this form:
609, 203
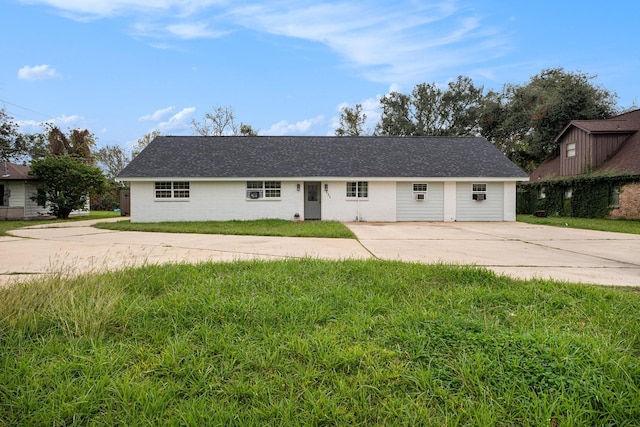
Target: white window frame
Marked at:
420, 189
479, 189
271, 190
571, 149
172, 190
357, 190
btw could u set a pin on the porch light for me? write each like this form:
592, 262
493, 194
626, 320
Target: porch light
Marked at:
326, 187
298, 187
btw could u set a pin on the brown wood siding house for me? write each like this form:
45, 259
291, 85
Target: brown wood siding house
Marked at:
610, 146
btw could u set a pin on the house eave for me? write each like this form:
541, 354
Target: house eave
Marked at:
326, 178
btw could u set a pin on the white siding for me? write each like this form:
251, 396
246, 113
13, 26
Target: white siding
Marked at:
430, 209
378, 207
18, 197
213, 201
21, 193
387, 201
491, 209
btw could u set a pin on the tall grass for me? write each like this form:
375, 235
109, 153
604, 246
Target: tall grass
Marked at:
312, 342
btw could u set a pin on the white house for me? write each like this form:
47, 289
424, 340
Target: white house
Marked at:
190, 178
16, 189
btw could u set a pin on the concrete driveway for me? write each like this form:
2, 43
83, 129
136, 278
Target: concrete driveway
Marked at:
516, 249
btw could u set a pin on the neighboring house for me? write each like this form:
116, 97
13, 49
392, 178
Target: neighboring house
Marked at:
185, 178
608, 149
16, 188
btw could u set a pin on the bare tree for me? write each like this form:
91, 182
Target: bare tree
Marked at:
111, 159
222, 122
143, 142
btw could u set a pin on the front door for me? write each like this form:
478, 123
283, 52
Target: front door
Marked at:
311, 200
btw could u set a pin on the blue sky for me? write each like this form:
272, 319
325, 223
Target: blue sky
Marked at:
122, 68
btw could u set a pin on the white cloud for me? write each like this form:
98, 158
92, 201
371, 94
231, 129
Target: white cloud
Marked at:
178, 122
83, 9
157, 115
397, 42
33, 126
403, 41
196, 30
303, 127
37, 72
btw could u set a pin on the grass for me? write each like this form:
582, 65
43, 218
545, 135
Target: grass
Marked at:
310, 342
12, 225
262, 227
614, 225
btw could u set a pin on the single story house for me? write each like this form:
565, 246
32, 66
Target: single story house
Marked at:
16, 189
193, 178
609, 149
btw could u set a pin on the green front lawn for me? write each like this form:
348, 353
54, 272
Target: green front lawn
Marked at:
310, 342
262, 227
615, 225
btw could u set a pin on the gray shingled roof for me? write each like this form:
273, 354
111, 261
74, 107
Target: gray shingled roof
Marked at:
301, 156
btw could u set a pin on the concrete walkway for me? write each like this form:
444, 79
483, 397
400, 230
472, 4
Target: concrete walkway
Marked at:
517, 249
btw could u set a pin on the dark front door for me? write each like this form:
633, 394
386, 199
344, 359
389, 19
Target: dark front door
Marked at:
311, 200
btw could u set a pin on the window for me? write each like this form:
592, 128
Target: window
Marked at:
571, 149
542, 193
358, 190
266, 189
172, 190
272, 189
615, 197
420, 192
479, 192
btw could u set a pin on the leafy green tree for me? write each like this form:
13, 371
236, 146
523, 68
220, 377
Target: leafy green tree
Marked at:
352, 121
12, 145
432, 111
523, 121
396, 118
450, 112
247, 130
36, 145
66, 183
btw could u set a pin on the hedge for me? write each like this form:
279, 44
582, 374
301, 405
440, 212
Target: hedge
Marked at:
591, 196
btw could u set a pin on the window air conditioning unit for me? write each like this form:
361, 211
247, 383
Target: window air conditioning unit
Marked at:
254, 194
479, 196
420, 197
